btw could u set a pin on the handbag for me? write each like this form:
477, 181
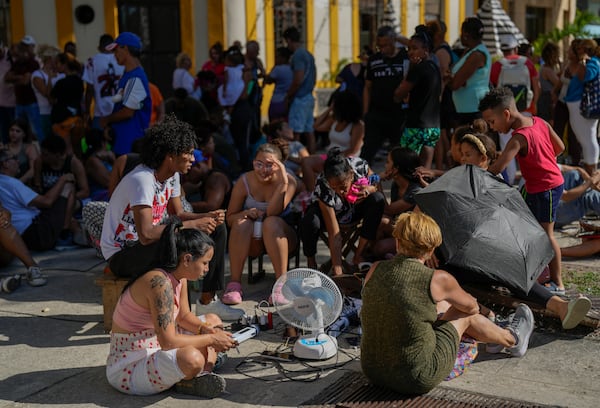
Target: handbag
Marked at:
589, 106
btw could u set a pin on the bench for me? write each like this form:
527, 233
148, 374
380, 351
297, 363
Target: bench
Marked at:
112, 287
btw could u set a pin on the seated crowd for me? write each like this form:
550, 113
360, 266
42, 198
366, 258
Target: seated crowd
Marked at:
203, 183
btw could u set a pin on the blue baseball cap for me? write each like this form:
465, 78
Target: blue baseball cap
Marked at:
126, 38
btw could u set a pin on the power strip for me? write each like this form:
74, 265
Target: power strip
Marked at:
275, 355
244, 334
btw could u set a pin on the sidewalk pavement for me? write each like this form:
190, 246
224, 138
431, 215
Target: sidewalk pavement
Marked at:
53, 351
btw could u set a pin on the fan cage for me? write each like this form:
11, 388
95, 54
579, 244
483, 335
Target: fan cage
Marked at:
324, 295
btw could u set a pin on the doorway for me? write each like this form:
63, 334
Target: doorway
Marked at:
157, 24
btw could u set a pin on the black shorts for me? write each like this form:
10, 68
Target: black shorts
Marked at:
44, 230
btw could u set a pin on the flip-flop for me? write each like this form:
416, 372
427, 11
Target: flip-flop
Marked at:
554, 289
576, 312
364, 266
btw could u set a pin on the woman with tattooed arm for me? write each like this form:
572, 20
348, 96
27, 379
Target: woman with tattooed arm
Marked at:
156, 341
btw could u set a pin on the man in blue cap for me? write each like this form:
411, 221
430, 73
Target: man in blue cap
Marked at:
132, 109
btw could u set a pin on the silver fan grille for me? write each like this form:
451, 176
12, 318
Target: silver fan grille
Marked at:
313, 299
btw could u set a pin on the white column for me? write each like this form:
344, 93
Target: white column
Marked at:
40, 21
88, 35
322, 39
201, 44
345, 30
235, 22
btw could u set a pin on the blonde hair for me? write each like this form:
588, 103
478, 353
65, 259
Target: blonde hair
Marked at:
179, 59
46, 52
416, 234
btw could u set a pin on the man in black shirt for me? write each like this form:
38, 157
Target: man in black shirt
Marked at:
384, 118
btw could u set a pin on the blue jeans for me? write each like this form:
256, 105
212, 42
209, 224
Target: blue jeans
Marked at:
574, 210
32, 114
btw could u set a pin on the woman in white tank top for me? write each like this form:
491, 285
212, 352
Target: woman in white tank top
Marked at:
346, 131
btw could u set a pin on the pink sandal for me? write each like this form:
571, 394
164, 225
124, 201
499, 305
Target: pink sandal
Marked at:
233, 294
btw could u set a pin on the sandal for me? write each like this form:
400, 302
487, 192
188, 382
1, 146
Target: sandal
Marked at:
364, 267
554, 288
233, 294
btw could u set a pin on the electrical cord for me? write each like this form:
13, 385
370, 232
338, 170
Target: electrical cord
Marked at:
254, 362
62, 319
76, 270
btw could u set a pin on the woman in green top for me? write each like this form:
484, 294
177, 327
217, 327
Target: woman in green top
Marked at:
406, 346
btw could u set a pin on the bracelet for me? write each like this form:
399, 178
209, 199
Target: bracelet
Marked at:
202, 324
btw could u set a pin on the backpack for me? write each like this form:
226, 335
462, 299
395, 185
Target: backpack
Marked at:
514, 75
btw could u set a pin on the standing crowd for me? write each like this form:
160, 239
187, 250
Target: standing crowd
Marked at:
91, 154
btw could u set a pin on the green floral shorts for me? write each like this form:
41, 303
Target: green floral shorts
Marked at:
416, 138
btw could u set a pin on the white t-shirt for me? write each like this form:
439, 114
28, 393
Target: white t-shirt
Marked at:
103, 72
183, 79
15, 197
139, 187
43, 102
235, 86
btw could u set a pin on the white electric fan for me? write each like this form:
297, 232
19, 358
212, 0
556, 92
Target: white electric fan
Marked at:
313, 302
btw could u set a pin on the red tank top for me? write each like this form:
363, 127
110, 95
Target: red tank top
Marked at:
538, 166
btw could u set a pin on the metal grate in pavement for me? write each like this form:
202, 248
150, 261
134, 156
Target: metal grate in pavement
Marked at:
354, 391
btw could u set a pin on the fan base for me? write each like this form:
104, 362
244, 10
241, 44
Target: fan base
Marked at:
315, 347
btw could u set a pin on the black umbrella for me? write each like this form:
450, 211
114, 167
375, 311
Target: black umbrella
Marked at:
486, 227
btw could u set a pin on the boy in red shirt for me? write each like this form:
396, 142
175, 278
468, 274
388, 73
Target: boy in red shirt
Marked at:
535, 145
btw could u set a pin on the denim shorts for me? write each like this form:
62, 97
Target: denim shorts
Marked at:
301, 114
543, 205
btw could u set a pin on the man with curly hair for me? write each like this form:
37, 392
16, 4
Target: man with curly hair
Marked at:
132, 224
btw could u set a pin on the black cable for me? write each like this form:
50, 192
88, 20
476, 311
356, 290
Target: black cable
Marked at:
48, 317
76, 270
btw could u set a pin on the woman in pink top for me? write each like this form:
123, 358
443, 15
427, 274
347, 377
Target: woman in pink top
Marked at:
156, 341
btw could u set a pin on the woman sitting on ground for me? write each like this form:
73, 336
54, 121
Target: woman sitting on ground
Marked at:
413, 317
20, 145
343, 121
399, 167
263, 194
478, 126
297, 152
589, 245
342, 195
479, 150
156, 341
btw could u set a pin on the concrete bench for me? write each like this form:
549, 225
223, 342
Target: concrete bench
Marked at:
112, 286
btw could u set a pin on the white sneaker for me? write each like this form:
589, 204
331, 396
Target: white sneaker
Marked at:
220, 309
35, 276
521, 327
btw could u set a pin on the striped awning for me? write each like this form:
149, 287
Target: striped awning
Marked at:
496, 23
389, 17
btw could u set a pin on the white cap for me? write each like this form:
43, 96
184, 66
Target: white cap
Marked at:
28, 40
508, 42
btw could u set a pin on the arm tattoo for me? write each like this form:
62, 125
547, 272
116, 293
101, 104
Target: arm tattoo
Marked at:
164, 301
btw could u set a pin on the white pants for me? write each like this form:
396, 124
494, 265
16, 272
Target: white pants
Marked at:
136, 364
586, 132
